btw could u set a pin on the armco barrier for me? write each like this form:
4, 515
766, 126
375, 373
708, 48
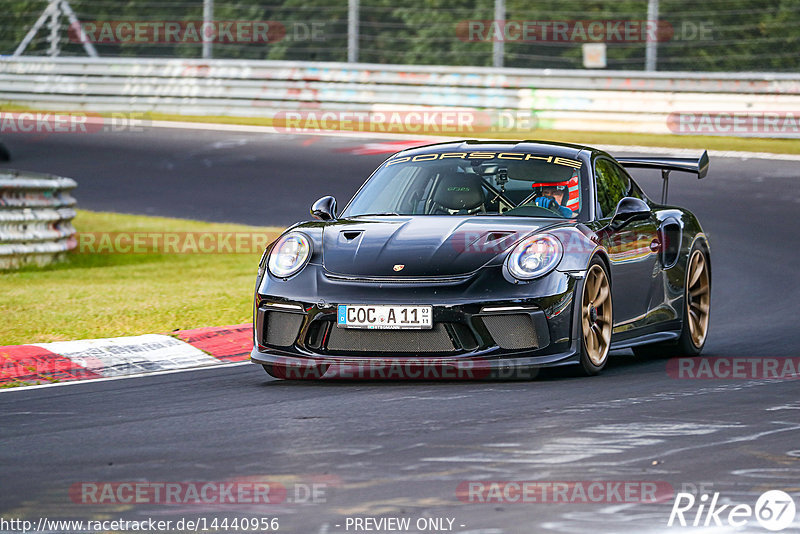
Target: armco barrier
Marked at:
35, 214
560, 99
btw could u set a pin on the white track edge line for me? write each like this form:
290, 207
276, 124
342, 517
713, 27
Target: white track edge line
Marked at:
110, 378
383, 135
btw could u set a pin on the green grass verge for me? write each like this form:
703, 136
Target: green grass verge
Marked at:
707, 142
107, 295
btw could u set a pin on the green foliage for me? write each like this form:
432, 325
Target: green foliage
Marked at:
714, 35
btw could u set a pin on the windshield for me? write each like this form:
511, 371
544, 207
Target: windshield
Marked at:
472, 183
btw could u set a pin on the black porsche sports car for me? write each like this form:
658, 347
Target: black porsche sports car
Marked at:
485, 256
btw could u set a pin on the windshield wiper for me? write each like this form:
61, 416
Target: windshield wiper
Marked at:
385, 213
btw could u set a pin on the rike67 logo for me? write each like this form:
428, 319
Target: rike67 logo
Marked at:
774, 510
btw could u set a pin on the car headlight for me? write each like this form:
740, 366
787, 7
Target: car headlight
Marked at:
289, 254
534, 257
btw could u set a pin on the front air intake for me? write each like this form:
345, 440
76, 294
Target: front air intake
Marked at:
279, 329
512, 331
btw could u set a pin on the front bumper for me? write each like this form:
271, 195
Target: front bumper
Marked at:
511, 328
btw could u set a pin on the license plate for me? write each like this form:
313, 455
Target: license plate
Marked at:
385, 317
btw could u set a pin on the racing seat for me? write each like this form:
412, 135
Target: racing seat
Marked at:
458, 194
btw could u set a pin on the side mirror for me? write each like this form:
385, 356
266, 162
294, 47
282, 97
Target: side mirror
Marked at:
629, 209
324, 209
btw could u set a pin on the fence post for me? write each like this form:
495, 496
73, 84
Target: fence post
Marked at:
498, 46
208, 20
651, 48
55, 34
352, 31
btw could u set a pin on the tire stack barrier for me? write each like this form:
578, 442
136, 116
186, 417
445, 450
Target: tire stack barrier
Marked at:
36, 211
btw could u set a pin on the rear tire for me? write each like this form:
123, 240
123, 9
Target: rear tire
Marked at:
696, 312
596, 318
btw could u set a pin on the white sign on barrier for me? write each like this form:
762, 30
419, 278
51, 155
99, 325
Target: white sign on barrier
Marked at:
594, 55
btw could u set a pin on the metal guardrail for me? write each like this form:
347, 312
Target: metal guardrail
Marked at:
36, 211
560, 99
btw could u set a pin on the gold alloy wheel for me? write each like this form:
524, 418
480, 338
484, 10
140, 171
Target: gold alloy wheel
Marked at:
596, 315
698, 297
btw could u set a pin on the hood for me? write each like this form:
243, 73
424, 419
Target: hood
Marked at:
423, 245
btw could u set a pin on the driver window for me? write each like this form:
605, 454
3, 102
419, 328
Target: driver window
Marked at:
612, 186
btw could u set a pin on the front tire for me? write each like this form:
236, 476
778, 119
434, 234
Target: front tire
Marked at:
597, 318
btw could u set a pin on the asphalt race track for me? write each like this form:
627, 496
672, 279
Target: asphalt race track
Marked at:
401, 449
206, 175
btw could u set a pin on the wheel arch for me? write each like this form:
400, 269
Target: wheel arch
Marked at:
602, 254
701, 240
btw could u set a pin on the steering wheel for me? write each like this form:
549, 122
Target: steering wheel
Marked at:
547, 203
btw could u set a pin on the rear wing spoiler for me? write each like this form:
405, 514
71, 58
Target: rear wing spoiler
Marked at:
695, 166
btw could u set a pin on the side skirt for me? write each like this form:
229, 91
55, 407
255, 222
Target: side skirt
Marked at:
656, 337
